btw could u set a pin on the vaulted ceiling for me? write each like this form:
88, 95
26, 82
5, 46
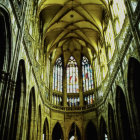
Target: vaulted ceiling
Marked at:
72, 27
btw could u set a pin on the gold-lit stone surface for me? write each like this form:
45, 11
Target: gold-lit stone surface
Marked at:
34, 34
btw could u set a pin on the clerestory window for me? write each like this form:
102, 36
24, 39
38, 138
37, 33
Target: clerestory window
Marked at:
72, 76
57, 75
87, 75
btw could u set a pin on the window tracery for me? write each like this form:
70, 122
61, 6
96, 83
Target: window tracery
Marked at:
73, 101
72, 76
87, 75
57, 75
89, 99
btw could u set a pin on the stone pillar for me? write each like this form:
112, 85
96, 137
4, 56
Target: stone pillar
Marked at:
51, 82
50, 134
65, 137
32, 128
41, 133
20, 117
64, 87
10, 109
47, 133
80, 84
4, 96
35, 128
25, 121
2, 83
39, 128
6, 108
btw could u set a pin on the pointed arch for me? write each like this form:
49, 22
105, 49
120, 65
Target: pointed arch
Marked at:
57, 132
5, 43
87, 74
122, 115
5, 63
133, 81
19, 103
103, 129
31, 115
46, 130
91, 131
57, 75
72, 76
74, 132
111, 123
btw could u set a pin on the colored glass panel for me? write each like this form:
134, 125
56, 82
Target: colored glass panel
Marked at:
72, 76
87, 75
57, 75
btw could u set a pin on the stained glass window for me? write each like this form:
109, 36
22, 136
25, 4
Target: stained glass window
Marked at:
57, 75
89, 99
72, 76
87, 75
73, 101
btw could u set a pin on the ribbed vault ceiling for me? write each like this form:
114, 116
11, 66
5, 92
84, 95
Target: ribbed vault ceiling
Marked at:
72, 27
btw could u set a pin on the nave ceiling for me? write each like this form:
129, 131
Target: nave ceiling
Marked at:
72, 27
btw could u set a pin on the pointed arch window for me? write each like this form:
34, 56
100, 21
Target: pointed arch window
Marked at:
57, 75
87, 75
72, 76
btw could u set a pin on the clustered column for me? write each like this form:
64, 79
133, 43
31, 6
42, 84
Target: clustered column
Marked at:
51, 82
80, 85
64, 87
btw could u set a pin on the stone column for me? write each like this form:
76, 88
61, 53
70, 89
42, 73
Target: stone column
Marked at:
51, 82
80, 84
50, 135
39, 128
10, 109
41, 133
7, 108
20, 117
25, 121
4, 95
32, 127
2, 84
35, 128
64, 87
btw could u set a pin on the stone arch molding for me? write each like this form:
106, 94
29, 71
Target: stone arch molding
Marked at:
46, 129
46, 119
71, 126
31, 114
133, 58
133, 80
76, 126
94, 131
19, 103
6, 43
60, 125
102, 127
122, 88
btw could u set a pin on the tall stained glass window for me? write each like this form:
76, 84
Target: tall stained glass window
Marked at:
57, 75
72, 76
87, 75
